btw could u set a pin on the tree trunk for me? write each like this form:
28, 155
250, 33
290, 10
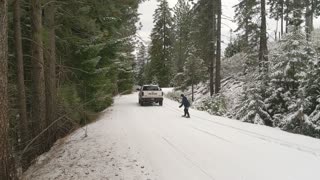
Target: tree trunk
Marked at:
212, 18
297, 14
246, 33
180, 67
7, 169
309, 18
192, 89
38, 91
218, 57
23, 121
263, 51
287, 15
282, 16
50, 77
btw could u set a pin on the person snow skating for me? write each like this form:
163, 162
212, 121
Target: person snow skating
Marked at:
186, 105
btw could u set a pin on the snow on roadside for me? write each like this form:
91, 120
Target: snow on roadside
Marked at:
98, 156
231, 90
167, 90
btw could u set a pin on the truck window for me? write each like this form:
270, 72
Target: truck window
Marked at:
150, 88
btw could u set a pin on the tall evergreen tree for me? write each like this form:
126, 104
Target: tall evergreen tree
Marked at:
50, 69
263, 48
182, 27
277, 12
287, 70
23, 122
218, 59
193, 70
247, 13
253, 109
162, 45
38, 96
141, 62
204, 36
7, 169
296, 16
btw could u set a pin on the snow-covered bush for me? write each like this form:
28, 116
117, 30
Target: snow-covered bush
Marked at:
233, 66
253, 109
288, 70
315, 117
178, 80
215, 105
316, 39
300, 123
311, 86
174, 95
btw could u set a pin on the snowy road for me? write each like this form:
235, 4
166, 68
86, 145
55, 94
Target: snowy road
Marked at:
155, 142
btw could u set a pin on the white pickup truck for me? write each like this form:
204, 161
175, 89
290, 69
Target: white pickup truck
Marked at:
150, 94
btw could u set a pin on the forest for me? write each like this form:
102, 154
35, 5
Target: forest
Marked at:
62, 62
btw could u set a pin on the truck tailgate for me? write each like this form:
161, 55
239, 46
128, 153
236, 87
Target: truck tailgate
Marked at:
152, 94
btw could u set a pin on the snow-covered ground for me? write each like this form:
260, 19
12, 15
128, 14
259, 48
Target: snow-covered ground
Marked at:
131, 142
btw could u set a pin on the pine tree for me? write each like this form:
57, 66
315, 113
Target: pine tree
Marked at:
205, 36
311, 90
252, 108
218, 56
263, 48
193, 70
161, 45
247, 13
50, 69
309, 14
38, 91
233, 48
288, 69
182, 27
310, 87
141, 62
277, 12
23, 119
7, 168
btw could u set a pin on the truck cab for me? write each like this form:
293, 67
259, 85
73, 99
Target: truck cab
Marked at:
150, 94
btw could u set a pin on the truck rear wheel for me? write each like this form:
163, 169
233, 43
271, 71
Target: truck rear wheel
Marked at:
160, 103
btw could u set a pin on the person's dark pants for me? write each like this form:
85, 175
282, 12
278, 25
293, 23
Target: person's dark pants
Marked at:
186, 112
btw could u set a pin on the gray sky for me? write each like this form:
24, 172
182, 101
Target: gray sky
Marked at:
146, 11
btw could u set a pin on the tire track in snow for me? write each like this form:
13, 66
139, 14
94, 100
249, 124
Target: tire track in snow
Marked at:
256, 135
211, 134
187, 158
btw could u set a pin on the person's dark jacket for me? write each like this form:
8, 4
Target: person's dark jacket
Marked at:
185, 102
